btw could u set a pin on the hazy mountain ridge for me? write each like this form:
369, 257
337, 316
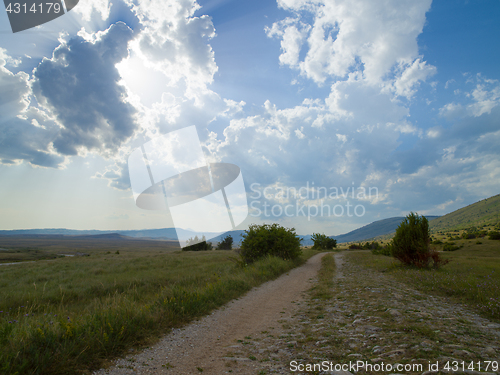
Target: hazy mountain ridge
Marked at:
368, 231
486, 211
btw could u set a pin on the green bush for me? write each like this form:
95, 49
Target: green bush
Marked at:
262, 240
322, 242
195, 244
379, 250
374, 246
411, 243
226, 243
450, 246
494, 235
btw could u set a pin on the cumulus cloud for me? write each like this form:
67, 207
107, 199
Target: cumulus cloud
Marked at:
80, 86
407, 82
117, 176
26, 132
368, 51
347, 36
89, 8
28, 138
289, 145
14, 96
481, 99
173, 45
293, 33
174, 42
485, 97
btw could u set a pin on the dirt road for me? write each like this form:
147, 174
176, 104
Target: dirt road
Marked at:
370, 317
201, 347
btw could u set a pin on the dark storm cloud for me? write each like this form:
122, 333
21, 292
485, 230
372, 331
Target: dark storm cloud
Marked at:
20, 140
80, 84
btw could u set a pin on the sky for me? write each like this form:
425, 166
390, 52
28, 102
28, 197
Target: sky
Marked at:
338, 113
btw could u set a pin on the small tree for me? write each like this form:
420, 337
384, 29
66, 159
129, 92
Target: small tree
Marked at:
226, 243
322, 242
411, 243
262, 240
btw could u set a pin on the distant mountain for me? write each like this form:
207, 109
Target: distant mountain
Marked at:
56, 231
375, 229
484, 212
151, 234
104, 236
367, 232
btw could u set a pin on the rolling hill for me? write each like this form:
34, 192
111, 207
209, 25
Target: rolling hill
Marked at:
375, 229
484, 212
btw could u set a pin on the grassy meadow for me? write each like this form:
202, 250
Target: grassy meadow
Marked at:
472, 277
71, 314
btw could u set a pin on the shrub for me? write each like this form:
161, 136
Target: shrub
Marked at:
379, 250
411, 243
195, 244
322, 242
226, 243
366, 246
262, 240
450, 246
373, 246
494, 235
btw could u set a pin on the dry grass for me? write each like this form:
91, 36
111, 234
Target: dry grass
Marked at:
69, 315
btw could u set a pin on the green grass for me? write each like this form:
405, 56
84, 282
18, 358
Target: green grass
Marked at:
25, 254
472, 276
70, 315
323, 288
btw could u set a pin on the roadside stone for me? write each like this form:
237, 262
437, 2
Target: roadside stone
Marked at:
489, 351
393, 352
462, 353
236, 359
394, 312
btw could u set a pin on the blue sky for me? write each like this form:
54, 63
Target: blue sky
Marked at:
395, 100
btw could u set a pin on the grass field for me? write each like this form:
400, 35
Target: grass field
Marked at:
70, 314
472, 277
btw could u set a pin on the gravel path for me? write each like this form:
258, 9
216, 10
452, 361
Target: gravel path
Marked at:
203, 345
370, 318
374, 319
